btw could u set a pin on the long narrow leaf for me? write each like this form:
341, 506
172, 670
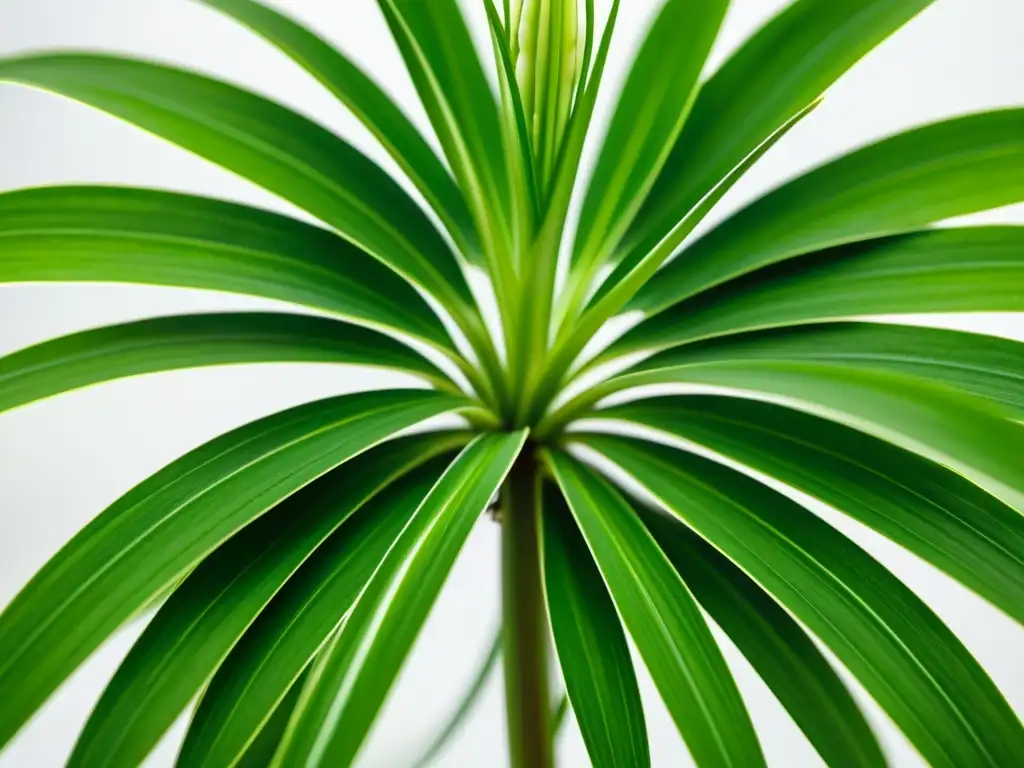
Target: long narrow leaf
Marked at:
260, 753
353, 674
191, 341
663, 619
927, 508
154, 534
204, 617
910, 662
591, 644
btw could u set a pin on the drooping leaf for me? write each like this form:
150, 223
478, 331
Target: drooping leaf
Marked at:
203, 619
260, 753
272, 146
775, 74
909, 661
897, 185
663, 619
105, 234
154, 534
775, 645
977, 269
927, 508
592, 650
354, 672
368, 102
981, 366
191, 341
272, 655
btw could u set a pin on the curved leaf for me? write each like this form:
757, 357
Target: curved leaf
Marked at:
191, 341
368, 102
202, 620
272, 146
663, 619
260, 752
592, 650
909, 661
775, 645
154, 534
108, 234
354, 672
786, 65
930, 510
266, 663
982, 366
978, 269
897, 185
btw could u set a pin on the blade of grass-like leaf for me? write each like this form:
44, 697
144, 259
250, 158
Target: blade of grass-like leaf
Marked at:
592, 650
775, 645
650, 113
191, 341
273, 653
268, 144
897, 185
973, 364
909, 661
158, 531
974, 269
202, 620
785, 66
663, 619
466, 704
353, 674
260, 752
107, 234
927, 508
374, 108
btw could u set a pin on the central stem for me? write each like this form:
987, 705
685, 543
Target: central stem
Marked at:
528, 699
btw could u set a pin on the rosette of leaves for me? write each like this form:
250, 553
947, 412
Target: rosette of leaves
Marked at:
291, 563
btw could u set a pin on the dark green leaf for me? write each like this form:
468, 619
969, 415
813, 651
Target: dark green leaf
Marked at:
775, 74
775, 645
354, 672
932, 511
897, 185
154, 534
592, 650
106, 234
191, 341
909, 661
204, 617
266, 143
664, 621
268, 660
260, 753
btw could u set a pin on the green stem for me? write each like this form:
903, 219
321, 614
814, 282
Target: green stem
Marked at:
528, 699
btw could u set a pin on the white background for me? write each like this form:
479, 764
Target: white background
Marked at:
64, 460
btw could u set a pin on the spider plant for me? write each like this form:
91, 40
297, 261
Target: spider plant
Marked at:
292, 562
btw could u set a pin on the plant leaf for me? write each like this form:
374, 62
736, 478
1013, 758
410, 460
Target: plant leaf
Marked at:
354, 672
654, 103
663, 619
368, 102
953, 270
461, 713
190, 341
776, 73
897, 185
923, 506
278, 149
909, 661
153, 535
274, 652
261, 751
105, 234
981, 366
202, 620
775, 645
591, 645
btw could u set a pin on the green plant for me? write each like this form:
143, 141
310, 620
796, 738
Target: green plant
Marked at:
295, 559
